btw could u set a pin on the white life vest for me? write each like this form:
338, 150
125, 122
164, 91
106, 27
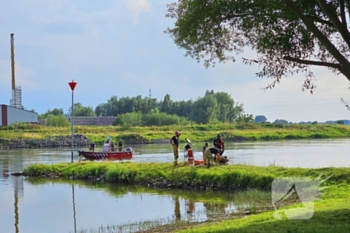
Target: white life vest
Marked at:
106, 147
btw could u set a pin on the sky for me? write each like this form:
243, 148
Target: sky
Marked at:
119, 48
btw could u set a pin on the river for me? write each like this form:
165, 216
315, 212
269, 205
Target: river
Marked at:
41, 205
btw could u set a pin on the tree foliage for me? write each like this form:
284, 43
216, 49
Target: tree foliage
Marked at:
54, 112
56, 120
289, 36
54, 117
260, 119
80, 110
245, 118
153, 118
280, 121
212, 107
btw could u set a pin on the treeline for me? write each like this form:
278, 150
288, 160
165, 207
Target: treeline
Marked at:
212, 107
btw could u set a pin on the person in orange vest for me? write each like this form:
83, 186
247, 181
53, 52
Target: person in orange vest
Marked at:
189, 152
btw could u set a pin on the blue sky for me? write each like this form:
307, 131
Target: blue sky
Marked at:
118, 47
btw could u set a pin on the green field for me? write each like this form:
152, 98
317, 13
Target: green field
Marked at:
196, 132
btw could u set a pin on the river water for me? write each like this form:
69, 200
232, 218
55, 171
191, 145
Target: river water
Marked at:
41, 205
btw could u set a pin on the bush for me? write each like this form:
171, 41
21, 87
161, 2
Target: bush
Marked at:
153, 118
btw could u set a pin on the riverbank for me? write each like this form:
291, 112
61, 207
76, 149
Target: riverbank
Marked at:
165, 175
35, 136
49, 142
331, 212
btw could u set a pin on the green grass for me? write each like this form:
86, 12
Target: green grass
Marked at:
330, 215
196, 132
332, 211
242, 176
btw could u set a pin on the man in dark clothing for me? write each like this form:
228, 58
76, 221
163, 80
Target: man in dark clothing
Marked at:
219, 143
120, 145
92, 146
112, 145
175, 142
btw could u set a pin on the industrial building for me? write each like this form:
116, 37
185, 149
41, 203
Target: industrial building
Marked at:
9, 115
15, 113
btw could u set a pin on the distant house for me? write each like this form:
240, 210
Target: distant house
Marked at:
9, 115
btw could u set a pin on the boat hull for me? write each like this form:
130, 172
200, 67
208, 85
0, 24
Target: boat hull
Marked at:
110, 155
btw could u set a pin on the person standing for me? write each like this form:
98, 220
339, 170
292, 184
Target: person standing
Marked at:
112, 145
219, 143
92, 146
203, 150
175, 142
120, 145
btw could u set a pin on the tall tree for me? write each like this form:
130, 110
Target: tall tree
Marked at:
204, 109
289, 36
80, 110
165, 106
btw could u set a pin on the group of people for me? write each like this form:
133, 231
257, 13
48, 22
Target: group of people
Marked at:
211, 156
110, 146
214, 155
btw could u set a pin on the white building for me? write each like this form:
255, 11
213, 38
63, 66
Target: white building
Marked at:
9, 115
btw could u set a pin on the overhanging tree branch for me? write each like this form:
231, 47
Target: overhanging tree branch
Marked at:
310, 62
334, 18
342, 14
322, 38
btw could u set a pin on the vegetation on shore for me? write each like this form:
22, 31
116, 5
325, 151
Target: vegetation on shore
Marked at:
196, 132
243, 176
331, 211
331, 214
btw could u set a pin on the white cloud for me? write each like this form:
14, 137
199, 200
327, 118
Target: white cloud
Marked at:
288, 101
138, 6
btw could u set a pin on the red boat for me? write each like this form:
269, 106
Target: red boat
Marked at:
109, 155
107, 152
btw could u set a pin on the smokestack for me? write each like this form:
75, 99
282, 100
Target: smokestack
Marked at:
13, 61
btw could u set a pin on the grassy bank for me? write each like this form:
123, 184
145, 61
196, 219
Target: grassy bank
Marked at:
331, 214
197, 133
242, 176
332, 211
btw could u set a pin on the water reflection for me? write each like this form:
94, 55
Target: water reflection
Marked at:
5, 168
131, 208
18, 190
74, 206
177, 208
74, 214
